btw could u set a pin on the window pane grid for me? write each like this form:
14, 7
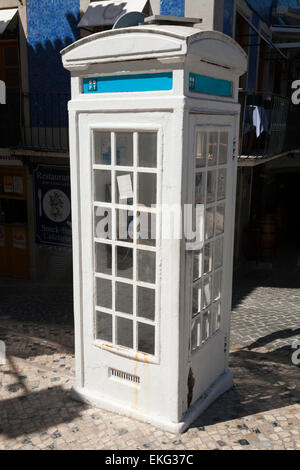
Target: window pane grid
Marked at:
103, 309
197, 170
147, 285
205, 324
211, 173
128, 327
213, 204
124, 315
135, 161
139, 169
113, 147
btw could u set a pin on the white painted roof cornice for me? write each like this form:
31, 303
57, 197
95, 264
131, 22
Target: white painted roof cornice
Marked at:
154, 42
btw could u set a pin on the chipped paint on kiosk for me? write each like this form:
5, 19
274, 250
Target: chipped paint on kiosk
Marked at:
153, 122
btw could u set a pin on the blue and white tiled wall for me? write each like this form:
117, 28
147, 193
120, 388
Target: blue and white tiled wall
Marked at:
52, 25
172, 7
177, 8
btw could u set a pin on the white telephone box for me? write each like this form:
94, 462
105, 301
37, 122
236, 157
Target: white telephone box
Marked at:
154, 121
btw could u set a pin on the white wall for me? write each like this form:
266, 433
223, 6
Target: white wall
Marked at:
211, 12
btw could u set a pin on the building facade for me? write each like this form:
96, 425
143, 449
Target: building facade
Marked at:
34, 163
35, 220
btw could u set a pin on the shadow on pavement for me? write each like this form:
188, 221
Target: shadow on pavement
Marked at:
37, 411
263, 381
29, 348
281, 334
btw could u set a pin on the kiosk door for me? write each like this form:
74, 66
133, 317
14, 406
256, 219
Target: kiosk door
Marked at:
120, 173
209, 261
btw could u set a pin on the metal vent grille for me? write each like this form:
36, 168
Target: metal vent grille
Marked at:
124, 376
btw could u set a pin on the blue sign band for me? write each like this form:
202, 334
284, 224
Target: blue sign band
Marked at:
129, 83
210, 85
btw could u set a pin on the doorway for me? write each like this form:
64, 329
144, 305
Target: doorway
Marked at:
14, 248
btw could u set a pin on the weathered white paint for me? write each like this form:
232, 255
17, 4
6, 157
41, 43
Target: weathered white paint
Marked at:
161, 396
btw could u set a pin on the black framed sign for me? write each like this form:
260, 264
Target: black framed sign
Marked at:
52, 205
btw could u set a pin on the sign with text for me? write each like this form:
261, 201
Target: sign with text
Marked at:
53, 205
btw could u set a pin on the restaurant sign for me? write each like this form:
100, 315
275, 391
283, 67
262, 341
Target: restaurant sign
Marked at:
53, 205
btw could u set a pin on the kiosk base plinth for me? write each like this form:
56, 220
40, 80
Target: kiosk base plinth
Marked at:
222, 385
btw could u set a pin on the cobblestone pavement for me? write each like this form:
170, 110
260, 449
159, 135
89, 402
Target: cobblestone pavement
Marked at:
262, 411
266, 309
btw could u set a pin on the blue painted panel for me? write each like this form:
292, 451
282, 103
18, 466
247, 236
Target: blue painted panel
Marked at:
264, 7
129, 83
253, 56
210, 85
172, 7
228, 17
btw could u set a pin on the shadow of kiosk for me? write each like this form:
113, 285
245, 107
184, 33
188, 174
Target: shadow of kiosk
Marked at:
154, 121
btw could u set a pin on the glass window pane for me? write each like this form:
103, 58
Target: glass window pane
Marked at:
196, 333
102, 185
200, 188
146, 266
146, 335
102, 148
221, 193
103, 257
200, 150
213, 310
220, 218
218, 325
205, 326
197, 295
216, 317
217, 285
211, 186
199, 222
124, 225
148, 149
223, 148
218, 258
146, 229
208, 258
147, 189
103, 293
207, 294
197, 265
104, 326
125, 332
124, 147
209, 223
124, 262
146, 303
124, 187
103, 223
124, 298
212, 148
